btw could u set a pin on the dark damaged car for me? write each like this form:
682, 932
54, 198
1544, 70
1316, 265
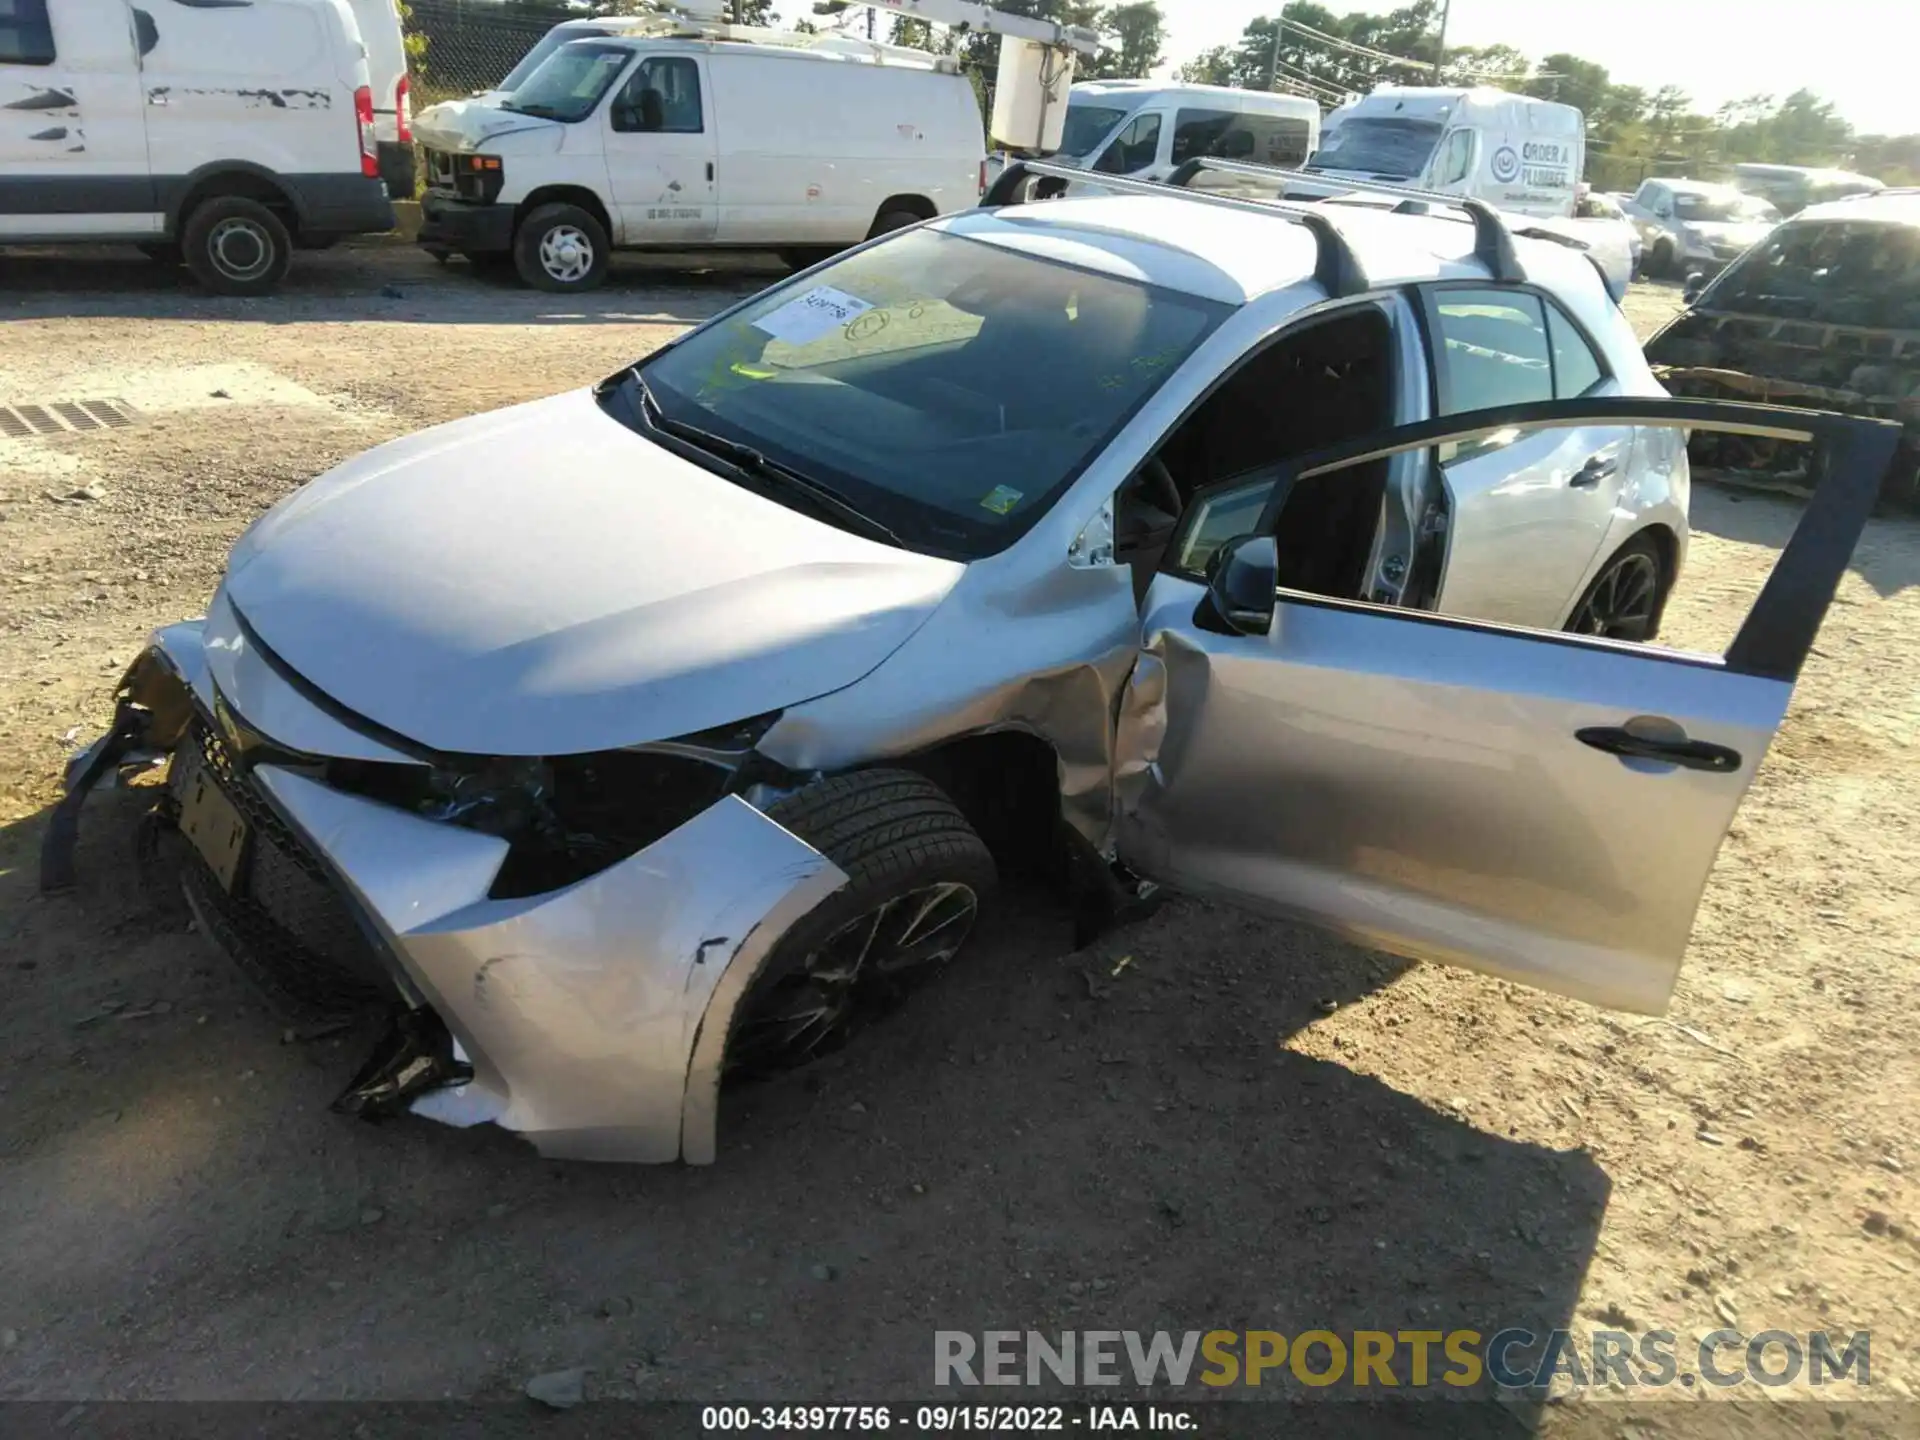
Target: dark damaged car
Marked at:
1825, 312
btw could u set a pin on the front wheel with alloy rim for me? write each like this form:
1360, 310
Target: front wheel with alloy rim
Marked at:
1625, 599
561, 248
236, 246
917, 876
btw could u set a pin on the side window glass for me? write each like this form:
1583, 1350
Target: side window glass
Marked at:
1197, 133
1494, 350
1576, 369
1458, 157
26, 35
662, 98
1219, 518
1135, 148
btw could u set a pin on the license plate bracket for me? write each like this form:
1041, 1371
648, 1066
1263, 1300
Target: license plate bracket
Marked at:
216, 828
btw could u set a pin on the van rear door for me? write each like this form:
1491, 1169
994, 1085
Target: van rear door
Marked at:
73, 140
379, 22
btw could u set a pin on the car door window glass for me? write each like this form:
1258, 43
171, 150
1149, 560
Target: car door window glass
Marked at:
1494, 350
1134, 148
26, 35
1457, 158
1331, 381
662, 98
1576, 369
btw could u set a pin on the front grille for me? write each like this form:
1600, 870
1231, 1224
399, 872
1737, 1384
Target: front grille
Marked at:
439, 168
284, 923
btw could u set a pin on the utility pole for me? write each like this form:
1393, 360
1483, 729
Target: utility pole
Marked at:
1440, 50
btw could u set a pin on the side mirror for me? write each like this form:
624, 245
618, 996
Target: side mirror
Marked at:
1696, 282
1242, 578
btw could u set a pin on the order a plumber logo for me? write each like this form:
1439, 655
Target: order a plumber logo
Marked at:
1506, 164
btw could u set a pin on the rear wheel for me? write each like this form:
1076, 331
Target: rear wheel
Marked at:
561, 248
1625, 598
1660, 264
917, 876
236, 246
891, 220
805, 257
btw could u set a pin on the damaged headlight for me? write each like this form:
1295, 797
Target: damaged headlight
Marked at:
567, 817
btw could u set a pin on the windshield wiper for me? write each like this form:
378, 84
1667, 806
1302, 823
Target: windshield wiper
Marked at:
538, 111
754, 462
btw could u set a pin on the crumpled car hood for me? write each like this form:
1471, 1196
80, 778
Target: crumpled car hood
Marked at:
544, 581
464, 125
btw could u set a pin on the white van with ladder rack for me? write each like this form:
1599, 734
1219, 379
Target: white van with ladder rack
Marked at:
678, 131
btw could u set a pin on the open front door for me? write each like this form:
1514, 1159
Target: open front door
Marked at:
1542, 806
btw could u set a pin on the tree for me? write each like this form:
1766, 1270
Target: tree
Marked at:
750, 12
1501, 66
1210, 67
1141, 30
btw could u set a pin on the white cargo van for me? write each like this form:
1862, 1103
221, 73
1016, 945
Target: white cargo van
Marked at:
1147, 129
226, 134
677, 140
392, 92
1518, 154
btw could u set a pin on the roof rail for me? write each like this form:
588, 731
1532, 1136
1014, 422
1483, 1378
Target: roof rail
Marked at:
1336, 268
1492, 240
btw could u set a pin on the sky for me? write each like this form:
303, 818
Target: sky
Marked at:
1859, 54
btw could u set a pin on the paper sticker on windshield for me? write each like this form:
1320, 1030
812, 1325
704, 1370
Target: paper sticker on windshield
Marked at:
814, 316
1001, 499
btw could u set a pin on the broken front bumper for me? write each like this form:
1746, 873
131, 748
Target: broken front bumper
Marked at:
594, 1018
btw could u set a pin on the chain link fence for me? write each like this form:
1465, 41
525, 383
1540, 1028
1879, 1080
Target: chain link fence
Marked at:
472, 44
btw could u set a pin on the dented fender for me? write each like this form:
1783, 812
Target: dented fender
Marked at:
595, 1017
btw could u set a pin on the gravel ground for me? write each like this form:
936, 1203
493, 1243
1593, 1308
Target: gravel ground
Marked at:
1245, 1126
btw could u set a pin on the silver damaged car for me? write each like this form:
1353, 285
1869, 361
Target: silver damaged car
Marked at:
644, 737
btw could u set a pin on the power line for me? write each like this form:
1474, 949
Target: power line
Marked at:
1367, 51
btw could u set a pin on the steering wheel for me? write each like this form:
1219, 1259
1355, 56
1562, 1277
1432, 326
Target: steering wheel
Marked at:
1155, 478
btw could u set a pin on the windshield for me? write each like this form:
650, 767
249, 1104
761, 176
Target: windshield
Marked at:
569, 83
1379, 145
1862, 274
1087, 125
1729, 208
949, 388
548, 43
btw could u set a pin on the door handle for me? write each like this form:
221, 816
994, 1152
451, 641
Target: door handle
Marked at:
709, 171
1597, 468
1692, 754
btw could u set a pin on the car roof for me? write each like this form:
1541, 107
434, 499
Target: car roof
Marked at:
1236, 255
1892, 207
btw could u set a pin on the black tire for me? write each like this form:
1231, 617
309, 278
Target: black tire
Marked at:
561, 248
892, 220
1660, 264
1627, 596
161, 252
796, 257
236, 246
918, 875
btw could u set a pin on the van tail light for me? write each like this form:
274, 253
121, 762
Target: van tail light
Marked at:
403, 108
982, 186
369, 146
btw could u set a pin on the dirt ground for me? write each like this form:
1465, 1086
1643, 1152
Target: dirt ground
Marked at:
1246, 1126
